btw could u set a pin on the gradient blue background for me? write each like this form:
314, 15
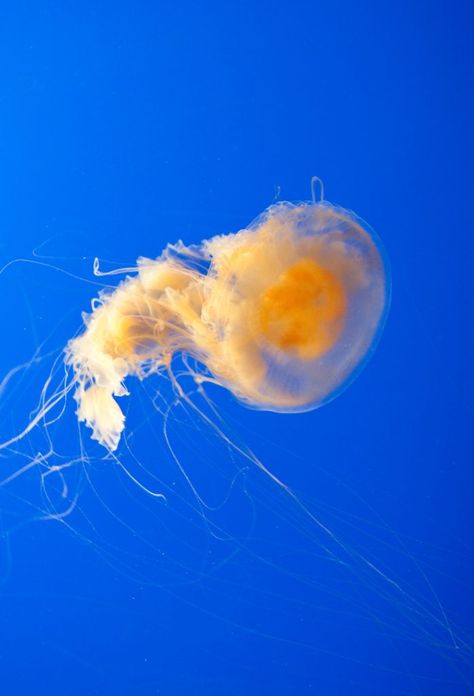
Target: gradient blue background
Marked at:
127, 125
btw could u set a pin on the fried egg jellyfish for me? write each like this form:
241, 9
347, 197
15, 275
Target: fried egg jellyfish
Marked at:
283, 315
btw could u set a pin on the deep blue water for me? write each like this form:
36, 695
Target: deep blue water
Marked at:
125, 126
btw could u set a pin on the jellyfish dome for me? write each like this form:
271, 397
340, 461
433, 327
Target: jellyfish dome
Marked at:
283, 314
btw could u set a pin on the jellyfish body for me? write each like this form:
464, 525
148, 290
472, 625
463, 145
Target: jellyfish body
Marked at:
283, 314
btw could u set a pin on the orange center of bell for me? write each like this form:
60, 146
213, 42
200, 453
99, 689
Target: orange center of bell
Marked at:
303, 312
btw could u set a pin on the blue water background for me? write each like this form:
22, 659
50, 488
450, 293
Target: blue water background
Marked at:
124, 126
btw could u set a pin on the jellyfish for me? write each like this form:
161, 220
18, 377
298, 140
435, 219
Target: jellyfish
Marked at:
283, 314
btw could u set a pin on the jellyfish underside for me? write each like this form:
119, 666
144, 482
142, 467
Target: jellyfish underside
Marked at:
282, 314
